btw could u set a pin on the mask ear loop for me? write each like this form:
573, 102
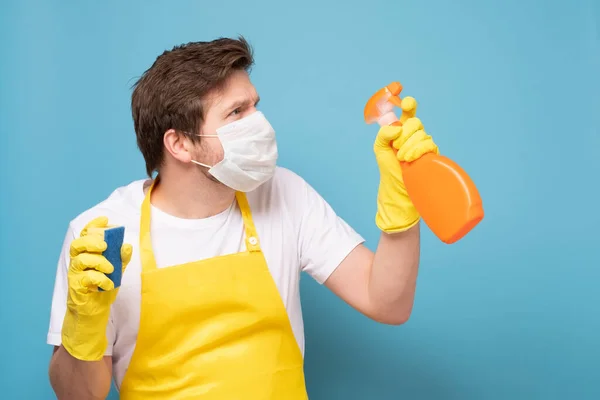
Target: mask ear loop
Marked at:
199, 134
202, 135
200, 164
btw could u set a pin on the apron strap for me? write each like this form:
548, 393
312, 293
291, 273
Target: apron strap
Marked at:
252, 242
146, 253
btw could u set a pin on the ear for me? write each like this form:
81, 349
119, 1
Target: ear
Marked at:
178, 145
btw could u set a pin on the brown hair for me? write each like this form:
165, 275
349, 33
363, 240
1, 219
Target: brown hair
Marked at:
171, 93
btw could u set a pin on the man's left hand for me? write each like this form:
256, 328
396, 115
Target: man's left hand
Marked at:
406, 143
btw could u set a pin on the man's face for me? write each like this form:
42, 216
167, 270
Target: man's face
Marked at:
236, 100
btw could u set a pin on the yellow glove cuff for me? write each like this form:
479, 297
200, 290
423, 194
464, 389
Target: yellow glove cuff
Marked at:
395, 211
84, 337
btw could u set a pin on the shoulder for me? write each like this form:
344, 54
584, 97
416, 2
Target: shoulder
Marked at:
285, 189
284, 182
121, 207
286, 179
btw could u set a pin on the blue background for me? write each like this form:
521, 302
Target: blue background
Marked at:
508, 89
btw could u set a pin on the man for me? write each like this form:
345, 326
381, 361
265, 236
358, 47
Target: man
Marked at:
209, 303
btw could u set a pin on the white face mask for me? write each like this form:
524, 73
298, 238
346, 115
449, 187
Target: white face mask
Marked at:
250, 153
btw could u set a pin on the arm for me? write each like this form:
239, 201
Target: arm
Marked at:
71, 378
380, 285
80, 327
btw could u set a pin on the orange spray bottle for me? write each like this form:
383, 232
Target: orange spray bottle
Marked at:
441, 191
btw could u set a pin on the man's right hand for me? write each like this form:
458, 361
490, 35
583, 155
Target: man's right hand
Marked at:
88, 309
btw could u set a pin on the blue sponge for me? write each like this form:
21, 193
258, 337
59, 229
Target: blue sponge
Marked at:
114, 240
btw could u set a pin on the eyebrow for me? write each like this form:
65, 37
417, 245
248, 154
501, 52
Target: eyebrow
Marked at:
241, 103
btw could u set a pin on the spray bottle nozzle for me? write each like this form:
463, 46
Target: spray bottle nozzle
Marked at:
394, 88
382, 103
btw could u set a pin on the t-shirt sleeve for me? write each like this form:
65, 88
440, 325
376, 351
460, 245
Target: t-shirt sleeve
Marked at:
59, 298
325, 239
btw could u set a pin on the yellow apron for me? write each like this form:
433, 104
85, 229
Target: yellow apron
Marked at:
213, 329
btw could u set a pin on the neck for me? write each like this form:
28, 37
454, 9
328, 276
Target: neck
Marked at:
190, 194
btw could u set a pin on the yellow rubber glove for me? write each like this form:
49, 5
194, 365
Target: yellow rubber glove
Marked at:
395, 211
88, 309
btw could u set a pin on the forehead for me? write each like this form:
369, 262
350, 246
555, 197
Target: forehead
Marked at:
237, 89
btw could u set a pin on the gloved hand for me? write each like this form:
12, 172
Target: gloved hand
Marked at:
395, 211
88, 309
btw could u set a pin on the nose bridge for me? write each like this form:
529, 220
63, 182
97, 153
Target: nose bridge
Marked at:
250, 110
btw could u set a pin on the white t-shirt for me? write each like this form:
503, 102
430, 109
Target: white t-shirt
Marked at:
298, 231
